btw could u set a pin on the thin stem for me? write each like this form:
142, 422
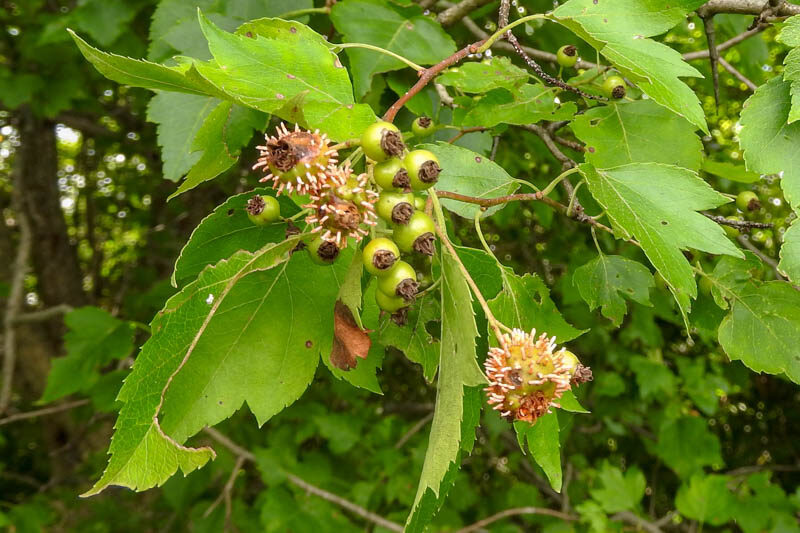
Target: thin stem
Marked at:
573, 197
552, 185
382, 51
308, 11
479, 231
493, 322
499, 33
349, 143
597, 244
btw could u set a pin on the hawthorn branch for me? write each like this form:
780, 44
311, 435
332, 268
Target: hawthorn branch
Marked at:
713, 54
747, 7
43, 315
629, 517
416, 428
744, 241
738, 224
305, 485
517, 511
43, 412
14, 307
456, 12
733, 41
738, 75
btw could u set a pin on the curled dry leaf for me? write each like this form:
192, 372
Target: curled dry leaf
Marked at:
349, 341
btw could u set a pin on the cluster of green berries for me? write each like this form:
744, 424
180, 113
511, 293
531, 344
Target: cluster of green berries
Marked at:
748, 203
399, 174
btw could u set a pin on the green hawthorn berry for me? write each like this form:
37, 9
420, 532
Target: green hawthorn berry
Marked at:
417, 235
389, 303
419, 202
380, 255
614, 87
401, 280
748, 201
423, 169
263, 210
322, 252
381, 141
422, 126
705, 284
567, 56
391, 175
395, 207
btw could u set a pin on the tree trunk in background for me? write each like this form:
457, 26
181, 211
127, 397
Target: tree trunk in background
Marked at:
55, 260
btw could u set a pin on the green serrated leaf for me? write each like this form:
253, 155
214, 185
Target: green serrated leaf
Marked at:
524, 105
768, 141
619, 31
225, 131
413, 339
403, 30
790, 36
620, 492
763, 328
544, 445
458, 370
657, 204
94, 339
619, 134
686, 445
706, 499
790, 253
730, 171
654, 379
483, 76
604, 280
226, 231
525, 303
179, 116
305, 84
467, 172
251, 328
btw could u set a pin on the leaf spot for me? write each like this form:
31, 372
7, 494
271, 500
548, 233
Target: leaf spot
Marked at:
210, 299
230, 212
309, 344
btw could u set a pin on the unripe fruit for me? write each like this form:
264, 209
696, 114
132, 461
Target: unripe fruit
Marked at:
748, 201
380, 255
705, 284
391, 175
419, 202
423, 169
567, 56
322, 252
395, 207
614, 87
730, 230
417, 235
422, 126
401, 280
381, 141
388, 303
263, 210
570, 361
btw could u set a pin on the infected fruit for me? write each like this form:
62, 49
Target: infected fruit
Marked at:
567, 56
380, 255
526, 376
417, 235
400, 280
297, 161
337, 217
422, 126
614, 87
748, 201
394, 207
381, 141
263, 210
423, 169
389, 303
391, 175
323, 252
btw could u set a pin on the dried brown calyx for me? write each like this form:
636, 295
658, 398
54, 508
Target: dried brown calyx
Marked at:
392, 143
429, 172
255, 205
424, 244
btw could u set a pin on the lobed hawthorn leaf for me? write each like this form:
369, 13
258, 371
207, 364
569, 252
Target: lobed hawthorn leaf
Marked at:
618, 134
706, 499
619, 30
657, 204
604, 281
413, 339
768, 141
467, 172
303, 84
458, 372
790, 36
227, 230
790, 253
686, 445
94, 338
225, 131
527, 104
250, 328
483, 76
620, 491
402, 29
